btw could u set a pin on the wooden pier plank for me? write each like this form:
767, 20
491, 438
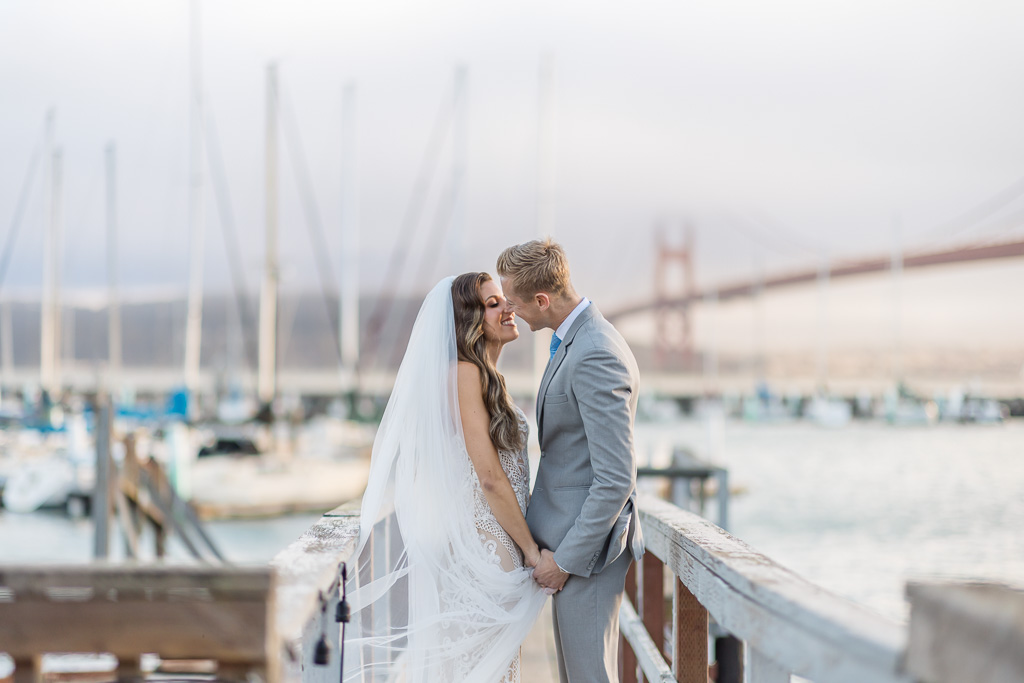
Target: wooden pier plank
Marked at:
177, 612
234, 631
539, 661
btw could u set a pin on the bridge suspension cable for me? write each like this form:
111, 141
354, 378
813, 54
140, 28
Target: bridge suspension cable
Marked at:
978, 213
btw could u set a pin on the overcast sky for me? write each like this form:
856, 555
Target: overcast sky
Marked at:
781, 131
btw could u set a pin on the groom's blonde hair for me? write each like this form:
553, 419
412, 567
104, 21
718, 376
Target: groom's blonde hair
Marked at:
536, 266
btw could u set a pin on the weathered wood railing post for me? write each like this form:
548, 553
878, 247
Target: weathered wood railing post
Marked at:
630, 668
309, 586
789, 625
321, 656
651, 600
689, 636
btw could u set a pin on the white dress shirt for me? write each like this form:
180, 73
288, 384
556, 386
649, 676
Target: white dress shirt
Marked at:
563, 329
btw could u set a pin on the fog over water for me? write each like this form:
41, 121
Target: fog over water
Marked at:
784, 134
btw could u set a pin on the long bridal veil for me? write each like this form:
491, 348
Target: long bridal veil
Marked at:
430, 603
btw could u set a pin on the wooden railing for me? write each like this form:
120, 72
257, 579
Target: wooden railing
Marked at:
784, 624
308, 594
787, 624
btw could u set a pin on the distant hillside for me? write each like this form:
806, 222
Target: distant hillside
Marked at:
153, 333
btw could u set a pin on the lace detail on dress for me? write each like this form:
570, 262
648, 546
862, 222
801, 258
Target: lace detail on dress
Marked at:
501, 549
517, 468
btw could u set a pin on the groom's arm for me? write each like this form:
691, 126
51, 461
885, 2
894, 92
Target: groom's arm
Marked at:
602, 386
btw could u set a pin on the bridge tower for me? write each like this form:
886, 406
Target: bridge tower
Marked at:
675, 290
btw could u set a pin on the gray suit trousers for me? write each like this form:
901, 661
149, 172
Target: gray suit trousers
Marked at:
586, 612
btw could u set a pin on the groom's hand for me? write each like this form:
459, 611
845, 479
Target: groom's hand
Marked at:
547, 573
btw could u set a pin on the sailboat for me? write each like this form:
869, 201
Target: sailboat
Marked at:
316, 468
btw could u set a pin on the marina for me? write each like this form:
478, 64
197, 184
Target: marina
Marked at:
222, 221
839, 507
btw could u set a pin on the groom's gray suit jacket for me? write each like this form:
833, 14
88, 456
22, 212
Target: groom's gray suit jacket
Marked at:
584, 501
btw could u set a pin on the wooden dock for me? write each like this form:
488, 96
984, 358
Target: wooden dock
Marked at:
279, 623
539, 664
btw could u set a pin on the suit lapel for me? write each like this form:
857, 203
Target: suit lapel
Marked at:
549, 372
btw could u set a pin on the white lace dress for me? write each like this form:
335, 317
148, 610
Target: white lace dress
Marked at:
503, 550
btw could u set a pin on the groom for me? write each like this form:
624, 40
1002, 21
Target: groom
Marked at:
583, 510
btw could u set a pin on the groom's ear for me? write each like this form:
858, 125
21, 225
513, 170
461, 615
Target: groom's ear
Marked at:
543, 300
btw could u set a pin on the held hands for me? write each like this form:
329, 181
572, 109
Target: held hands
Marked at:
532, 559
547, 573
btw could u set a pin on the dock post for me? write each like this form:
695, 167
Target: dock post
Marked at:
28, 670
723, 498
129, 670
682, 494
101, 493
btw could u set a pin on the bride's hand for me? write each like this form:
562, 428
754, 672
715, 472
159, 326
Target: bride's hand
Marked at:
532, 556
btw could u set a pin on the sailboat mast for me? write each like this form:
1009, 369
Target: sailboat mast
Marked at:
349, 300
46, 328
197, 228
113, 304
267, 379
460, 154
545, 188
55, 268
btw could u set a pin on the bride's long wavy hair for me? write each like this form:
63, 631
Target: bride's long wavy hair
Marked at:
472, 347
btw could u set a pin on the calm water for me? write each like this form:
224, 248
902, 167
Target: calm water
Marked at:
858, 510
50, 537
862, 509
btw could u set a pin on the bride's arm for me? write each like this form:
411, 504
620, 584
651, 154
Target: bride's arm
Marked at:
476, 423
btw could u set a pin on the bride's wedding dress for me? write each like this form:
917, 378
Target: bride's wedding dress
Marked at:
517, 468
499, 544
438, 593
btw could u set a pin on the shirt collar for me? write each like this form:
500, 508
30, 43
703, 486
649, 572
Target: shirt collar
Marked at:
563, 329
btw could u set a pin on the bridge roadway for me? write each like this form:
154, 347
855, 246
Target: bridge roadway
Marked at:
864, 266
522, 383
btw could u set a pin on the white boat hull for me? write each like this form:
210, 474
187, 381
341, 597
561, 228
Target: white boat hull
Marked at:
38, 483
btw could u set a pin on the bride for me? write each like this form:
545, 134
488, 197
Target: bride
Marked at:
443, 592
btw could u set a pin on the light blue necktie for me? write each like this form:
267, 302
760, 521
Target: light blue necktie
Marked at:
555, 341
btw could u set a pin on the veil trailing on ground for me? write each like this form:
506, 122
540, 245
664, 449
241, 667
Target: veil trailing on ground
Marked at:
429, 601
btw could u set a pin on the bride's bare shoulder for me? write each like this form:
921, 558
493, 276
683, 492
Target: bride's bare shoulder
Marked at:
469, 376
465, 368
